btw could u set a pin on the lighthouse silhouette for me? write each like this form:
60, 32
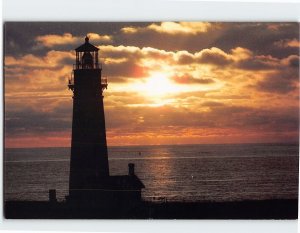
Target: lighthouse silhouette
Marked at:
90, 180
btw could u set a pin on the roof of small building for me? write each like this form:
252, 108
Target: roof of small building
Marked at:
86, 47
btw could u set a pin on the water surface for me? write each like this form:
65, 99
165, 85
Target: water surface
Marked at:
171, 172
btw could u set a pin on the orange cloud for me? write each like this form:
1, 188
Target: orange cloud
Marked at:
188, 79
31, 72
173, 28
67, 39
293, 43
51, 59
214, 56
237, 57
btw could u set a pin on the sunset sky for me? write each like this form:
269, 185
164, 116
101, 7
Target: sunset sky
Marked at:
169, 83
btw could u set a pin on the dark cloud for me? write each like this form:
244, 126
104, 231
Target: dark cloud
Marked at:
170, 42
292, 61
280, 83
284, 119
127, 69
171, 121
28, 80
19, 37
28, 121
275, 85
269, 120
258, 63
258, 37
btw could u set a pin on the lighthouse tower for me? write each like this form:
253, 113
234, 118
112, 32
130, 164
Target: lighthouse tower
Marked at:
89, 162
90, 182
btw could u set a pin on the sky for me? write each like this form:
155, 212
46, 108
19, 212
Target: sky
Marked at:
169, 82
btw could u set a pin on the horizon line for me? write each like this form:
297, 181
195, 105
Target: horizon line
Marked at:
142, 145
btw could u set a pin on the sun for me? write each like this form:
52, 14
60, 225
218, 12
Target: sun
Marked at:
159, 89
159, 85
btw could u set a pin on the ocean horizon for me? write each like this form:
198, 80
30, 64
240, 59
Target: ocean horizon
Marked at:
185, 173
167, 144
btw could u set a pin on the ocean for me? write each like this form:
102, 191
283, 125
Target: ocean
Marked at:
170, 172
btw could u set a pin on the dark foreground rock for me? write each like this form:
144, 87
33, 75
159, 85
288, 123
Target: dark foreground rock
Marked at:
263, 209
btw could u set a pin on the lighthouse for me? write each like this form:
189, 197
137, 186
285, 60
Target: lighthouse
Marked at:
90, 180
89, 161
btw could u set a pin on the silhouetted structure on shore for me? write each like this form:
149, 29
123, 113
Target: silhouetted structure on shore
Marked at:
90, 181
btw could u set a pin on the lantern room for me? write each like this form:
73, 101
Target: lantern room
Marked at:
87, 56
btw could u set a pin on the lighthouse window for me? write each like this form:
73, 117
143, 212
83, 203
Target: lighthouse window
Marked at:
87, 60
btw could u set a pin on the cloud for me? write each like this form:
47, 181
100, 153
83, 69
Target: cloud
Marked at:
224, 36
174, 121
20, 37
212, 104
53, 59
261, 38
189, 79
280, 82
29, 121
123, 98
119, 52
184, 57
260, 62
133, 62
284, 43
51, 40
128, 69
31, 73
173, 28
214, 56
238, 57
292, 61
68, 39
189, 36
